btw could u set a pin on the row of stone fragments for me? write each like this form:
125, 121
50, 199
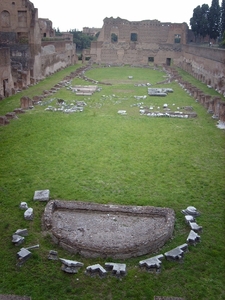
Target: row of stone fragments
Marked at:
152, 264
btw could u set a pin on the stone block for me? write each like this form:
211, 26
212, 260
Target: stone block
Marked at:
70, 266
23, 205
122, 112
195, 227
189, 219
19, 111
193, 238
96, 269
11, 115
118, 270
23, 255
53, 255
17, 239
153, 263
191, 210
25, 102
3, 120
177, 253
28, 214
22, 232
41, 195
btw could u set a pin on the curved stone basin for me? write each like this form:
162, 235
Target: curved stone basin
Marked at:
113, 231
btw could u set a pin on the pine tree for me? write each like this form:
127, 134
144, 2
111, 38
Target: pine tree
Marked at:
222, 17
199, 21
195, 21
214, 19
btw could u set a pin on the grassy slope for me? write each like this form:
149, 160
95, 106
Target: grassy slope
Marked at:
103, 157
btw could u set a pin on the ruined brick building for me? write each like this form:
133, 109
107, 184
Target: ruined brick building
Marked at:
151, 41
29, 50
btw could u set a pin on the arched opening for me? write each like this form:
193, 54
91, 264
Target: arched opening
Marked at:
114, 38
5, 18
133, 37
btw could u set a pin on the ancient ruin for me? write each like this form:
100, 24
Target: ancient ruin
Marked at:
29, 49
140, 43
115, 231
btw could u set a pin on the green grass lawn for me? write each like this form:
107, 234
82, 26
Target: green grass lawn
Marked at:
103, 157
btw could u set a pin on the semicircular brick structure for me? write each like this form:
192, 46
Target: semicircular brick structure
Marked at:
116, 231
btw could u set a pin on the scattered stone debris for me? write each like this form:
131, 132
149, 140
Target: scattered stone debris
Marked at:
96, 269
220, 125
161, 92
28, 214
166, 114
152, 264
118, 270
191, 210
195, 227
53, 255
23, 205
177, 254
193, 238
41, 195
24, 254
189, 219
122, 112
70, 266
67, 108
143, 84
140, 97
17, 239
22, 232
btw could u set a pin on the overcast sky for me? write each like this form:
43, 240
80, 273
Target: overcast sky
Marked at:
72, 14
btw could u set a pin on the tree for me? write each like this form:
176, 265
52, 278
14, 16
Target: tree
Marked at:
82, 41
199, 21
214, 20
195, 21
204, 23
222, 28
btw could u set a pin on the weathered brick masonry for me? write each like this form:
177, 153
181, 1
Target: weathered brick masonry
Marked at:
138, 43
21, 43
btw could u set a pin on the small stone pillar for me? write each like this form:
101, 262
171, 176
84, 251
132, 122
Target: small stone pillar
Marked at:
25, 102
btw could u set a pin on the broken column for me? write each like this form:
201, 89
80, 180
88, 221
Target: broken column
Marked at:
96, 269
70, 266
152, 264
118, 270
176, 254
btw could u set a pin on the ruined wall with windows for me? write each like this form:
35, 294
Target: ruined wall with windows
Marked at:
22, 32
122, 41
153, 42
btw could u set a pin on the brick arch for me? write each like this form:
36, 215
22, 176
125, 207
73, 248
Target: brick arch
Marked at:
5, 18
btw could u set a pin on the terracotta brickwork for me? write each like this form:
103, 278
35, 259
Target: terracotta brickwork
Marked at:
138, 43
21, 31
121, 41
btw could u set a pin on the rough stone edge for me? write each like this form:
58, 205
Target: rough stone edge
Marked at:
151, 246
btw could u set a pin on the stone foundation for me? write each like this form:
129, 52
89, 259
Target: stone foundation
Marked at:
115, 231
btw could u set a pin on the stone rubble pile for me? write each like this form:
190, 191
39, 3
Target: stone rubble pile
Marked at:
67, 108
181, 112
161, 92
